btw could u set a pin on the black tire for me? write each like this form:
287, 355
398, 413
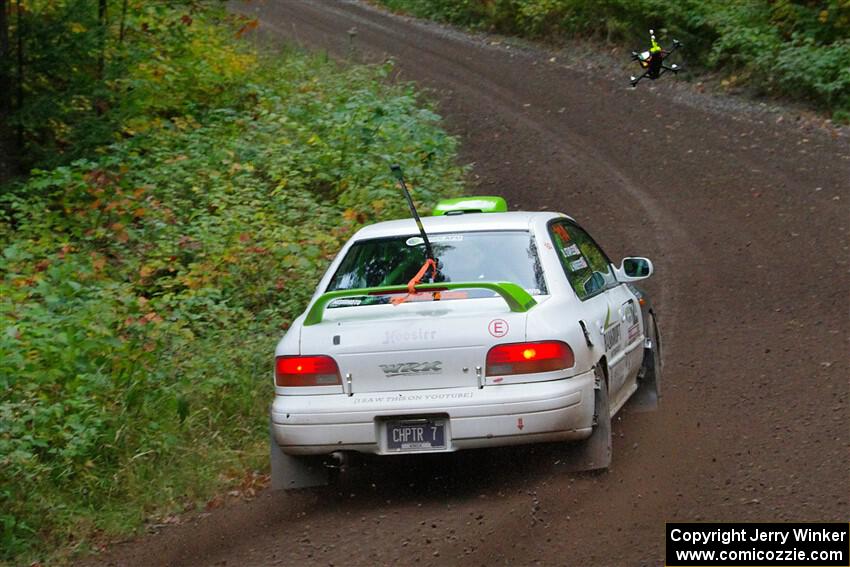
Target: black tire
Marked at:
594, 453
652, 359
649, 379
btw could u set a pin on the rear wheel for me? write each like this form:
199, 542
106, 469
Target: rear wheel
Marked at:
649, 379
595, 452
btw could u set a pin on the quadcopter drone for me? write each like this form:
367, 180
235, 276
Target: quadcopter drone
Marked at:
653, 60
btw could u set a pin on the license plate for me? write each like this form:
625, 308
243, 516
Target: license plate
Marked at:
416, 435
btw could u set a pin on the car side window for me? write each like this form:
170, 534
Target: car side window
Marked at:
586, 265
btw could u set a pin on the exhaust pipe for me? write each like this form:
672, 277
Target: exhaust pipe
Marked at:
338, 460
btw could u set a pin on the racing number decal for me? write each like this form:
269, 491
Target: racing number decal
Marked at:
498, 328
611, 335
612, 338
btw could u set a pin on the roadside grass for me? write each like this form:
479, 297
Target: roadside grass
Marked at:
783, 48
143, 288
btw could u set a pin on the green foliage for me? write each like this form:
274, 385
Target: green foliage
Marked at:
83, 79
142, 289
461, 12
794, 48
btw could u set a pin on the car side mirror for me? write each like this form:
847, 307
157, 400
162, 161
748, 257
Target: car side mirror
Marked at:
633, 269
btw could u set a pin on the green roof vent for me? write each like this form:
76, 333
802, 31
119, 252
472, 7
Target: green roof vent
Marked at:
463, 205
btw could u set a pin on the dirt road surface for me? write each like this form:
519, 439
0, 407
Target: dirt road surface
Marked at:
747, 222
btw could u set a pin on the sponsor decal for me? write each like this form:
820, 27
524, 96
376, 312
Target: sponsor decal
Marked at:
579, 264
412, 368
571, 250
408, 336
345, 302
417, 240
498, 328
630, 313
631, 318
411, 398
561, 232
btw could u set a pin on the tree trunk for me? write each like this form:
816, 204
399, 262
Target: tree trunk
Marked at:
6, 164
101, 20
19, 32
5, 69
123, 19
101, 56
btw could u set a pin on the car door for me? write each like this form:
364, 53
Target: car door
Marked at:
592, 278
630, 346
633, 333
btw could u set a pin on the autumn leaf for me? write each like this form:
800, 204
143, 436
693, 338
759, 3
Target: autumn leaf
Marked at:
249, 26
98, 262
152, 317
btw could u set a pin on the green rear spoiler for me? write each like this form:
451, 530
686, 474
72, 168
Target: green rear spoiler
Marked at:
517, 298
480, 204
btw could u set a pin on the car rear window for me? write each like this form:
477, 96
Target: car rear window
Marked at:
503, 256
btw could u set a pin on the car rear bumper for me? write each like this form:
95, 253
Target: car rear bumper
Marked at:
556, 410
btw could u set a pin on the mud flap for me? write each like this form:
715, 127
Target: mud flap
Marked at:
645, 397
595, 452
290, 472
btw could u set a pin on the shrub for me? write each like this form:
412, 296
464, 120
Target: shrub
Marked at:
142, 290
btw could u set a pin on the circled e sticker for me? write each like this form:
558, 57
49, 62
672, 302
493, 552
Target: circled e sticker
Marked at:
498, 328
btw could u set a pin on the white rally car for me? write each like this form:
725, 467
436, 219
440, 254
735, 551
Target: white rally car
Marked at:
526, 333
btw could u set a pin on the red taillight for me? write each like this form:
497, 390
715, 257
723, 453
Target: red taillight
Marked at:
528, 358
306, 371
